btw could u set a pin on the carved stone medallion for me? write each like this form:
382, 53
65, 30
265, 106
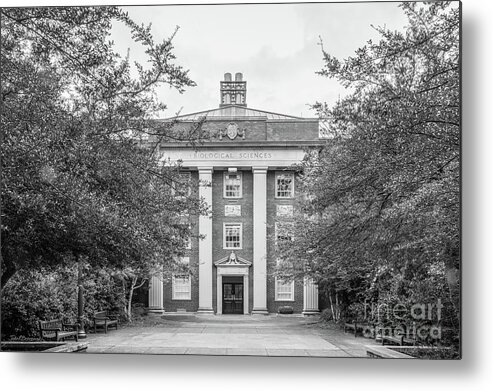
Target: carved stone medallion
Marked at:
232, 130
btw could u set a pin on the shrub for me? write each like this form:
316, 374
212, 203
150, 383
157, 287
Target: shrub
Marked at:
286, 309
43, 294
326, 315
32, 295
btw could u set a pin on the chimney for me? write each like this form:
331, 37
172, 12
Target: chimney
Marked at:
233, 92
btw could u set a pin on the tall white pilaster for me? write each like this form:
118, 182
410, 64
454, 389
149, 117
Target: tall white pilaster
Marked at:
219, 294
310, 297
259, 240
205, 244
245, 294
156, 294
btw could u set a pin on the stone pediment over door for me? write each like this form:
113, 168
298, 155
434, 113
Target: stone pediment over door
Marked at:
232, 260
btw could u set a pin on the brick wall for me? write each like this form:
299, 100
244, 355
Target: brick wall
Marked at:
192, 305
246, 218
254, 129
259, 129
292, 130
272, 304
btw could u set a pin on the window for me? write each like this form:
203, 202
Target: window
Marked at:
232, 185
232, 236
284, 232
181, 284
284, 184
284, 290
181, 287
182, 184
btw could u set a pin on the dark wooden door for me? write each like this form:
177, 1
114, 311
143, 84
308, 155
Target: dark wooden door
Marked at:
232, 298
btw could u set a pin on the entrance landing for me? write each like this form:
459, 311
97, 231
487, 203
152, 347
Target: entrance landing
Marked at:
236, 335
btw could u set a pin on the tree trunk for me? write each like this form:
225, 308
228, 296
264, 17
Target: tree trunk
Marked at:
7, 274
335, 309
338, 308
8, 269
133, 287
130, 297
332, 307
452, 275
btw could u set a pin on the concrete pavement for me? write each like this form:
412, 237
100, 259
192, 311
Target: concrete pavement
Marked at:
237, 335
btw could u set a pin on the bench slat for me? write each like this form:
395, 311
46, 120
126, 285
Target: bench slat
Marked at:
56, 330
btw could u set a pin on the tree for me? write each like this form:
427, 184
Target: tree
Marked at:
80, 177
382, 219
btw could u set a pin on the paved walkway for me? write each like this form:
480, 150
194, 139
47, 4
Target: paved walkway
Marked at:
237, 335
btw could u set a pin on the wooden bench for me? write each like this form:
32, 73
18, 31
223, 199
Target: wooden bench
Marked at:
409, 340
360, 326
401, 340
56, 330
393, 339
102, 320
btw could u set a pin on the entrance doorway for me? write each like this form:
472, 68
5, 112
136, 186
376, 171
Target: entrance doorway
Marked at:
232, 295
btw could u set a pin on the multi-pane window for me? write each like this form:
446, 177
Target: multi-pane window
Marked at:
181, 285
232, 236
284, 232
284, 290
284, 184
232, 185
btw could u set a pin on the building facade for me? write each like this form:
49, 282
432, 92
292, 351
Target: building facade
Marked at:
245, 174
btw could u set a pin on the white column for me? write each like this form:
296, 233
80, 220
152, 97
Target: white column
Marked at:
205, 245
259, 240
219, 296
310, 297
245, 294
156, 294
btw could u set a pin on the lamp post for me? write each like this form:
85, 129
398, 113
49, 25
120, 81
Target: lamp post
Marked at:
80, 300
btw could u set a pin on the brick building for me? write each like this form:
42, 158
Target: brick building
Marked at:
248, 165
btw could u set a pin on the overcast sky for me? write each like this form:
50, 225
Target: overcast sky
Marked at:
275, 46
